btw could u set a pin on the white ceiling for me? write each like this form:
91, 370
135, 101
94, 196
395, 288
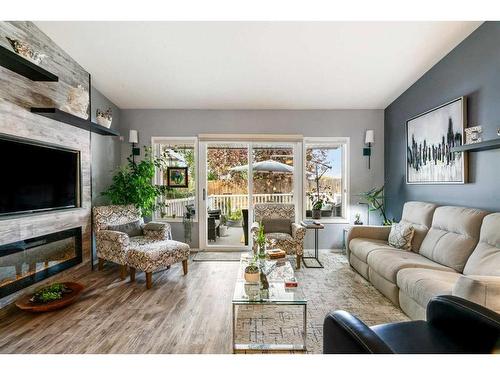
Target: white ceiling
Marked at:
256, 65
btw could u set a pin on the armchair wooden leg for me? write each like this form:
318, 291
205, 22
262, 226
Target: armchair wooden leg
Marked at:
100, 264
149, 280
132, 274
299, 260
123, 271
185, 266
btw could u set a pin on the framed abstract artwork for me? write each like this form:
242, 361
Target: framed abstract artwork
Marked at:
177, 177
429, 139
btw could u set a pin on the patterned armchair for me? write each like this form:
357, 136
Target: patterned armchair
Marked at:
279, 216
150, 250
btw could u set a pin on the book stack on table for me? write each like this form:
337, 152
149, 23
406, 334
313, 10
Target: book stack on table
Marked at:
276, 254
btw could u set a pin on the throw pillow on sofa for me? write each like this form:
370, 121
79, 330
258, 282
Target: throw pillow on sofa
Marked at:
133, 228
401, 236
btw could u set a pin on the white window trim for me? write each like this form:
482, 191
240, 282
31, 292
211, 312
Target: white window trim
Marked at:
194, 140
344, 141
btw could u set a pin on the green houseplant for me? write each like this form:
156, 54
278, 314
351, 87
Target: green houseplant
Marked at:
133, 184
252, 271
375, 200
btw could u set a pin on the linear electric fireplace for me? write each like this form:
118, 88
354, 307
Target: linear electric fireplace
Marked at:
26, 262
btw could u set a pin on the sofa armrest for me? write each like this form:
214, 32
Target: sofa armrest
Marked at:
374, 232
158, 231
344, 333
114, 236
298, 232
483, 290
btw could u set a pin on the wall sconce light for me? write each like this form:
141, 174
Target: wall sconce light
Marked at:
133, 138
369, 139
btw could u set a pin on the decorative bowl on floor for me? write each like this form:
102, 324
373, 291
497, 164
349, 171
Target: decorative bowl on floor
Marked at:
25, 303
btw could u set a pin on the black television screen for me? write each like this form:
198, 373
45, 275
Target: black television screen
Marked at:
36, 177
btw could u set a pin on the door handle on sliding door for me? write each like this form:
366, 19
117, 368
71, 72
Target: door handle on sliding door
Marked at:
204, 194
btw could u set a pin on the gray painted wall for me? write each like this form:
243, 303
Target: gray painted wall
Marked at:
322, 123
105, 149
471, 69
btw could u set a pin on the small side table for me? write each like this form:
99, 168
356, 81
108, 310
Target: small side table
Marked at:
316, 227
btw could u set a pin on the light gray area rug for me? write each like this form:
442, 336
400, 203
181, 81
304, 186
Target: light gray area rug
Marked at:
336, 287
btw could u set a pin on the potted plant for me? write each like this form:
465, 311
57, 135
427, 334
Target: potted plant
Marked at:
252, 272
234, 218
223, 226
375, 200
133, 184
261, 242
316, 209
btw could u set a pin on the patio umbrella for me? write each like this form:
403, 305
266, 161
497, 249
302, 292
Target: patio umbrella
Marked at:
175, 156
266, 166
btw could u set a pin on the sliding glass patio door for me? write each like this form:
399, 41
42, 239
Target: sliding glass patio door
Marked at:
225, 195
234, 176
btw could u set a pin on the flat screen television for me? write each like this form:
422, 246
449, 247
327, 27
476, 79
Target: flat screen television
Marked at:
37, 177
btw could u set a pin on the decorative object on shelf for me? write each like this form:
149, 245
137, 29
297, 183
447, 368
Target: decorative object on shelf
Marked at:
50, 298
104, 118
23, 49
133, 184
429, 139
133, 138
473, 135
177, 177
252, 272
375, 200
367, 151
77, 102
358, 219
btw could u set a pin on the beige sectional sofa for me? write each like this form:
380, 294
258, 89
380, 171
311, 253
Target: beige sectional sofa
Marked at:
455, 250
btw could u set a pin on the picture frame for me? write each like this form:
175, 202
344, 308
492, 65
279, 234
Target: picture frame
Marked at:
177, 177
430, 136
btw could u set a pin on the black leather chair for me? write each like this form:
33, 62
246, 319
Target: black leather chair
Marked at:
454, 325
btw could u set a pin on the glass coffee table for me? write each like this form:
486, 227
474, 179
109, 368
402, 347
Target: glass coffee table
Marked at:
278, 295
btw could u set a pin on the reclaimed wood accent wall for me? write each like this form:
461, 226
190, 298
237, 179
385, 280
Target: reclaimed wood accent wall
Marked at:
17, 95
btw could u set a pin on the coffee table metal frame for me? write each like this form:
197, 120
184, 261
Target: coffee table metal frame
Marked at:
278, 300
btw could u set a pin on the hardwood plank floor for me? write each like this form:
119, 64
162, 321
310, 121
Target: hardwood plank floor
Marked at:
180, 314
187, 314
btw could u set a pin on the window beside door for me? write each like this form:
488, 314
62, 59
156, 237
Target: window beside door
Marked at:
177, 153
325, 178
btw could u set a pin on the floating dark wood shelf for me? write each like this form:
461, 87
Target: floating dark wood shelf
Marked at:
24, 67
58, 115
481, 146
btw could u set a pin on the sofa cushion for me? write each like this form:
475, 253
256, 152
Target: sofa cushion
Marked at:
387, 263
419, 214
422, 284
453, 235
361, 247
485, 259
